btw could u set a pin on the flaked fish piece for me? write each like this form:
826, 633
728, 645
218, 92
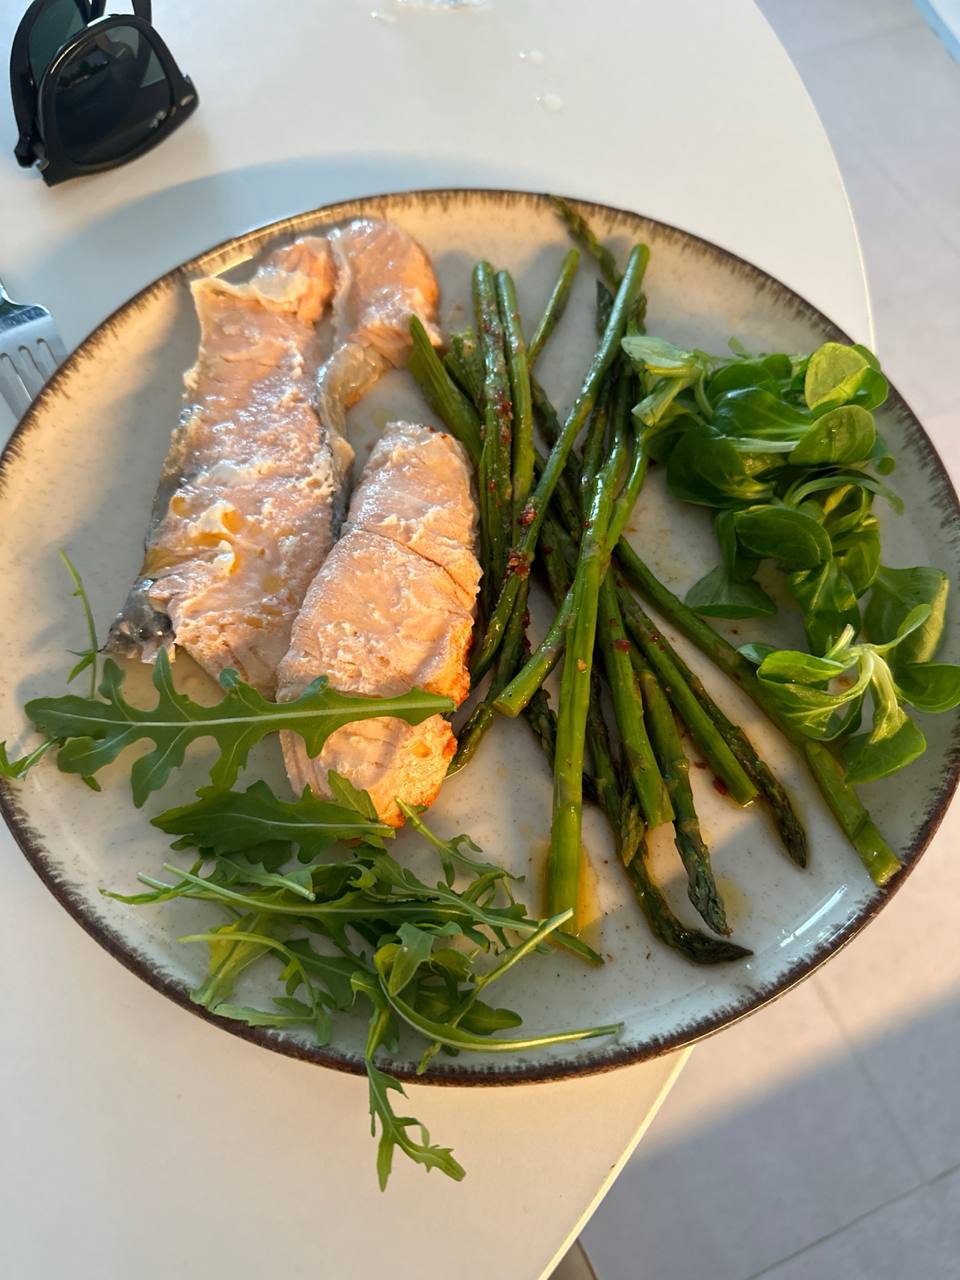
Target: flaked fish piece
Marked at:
390, 610
413, 495
249, 494
383, 277
254, 488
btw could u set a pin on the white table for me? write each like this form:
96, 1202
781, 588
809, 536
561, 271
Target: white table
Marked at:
137, 1141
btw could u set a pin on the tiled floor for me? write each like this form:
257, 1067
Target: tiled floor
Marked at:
821, 1140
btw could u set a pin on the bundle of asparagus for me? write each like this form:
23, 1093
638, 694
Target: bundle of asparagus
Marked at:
561, 517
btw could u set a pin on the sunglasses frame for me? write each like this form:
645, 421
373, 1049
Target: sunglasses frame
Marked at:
39, 142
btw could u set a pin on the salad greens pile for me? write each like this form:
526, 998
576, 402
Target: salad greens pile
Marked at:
786, 450
308, 888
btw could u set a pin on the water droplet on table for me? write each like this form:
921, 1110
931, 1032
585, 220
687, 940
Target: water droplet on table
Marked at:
550, 101
534, 56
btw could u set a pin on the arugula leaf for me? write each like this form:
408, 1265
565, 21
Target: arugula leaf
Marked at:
395, 1131
452, 851
415, 949
233, 947
227, 822
94, 731
16, 769
87, 657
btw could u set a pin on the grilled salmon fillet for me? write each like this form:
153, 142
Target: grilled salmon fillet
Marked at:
255, 484
383, 277
391, 609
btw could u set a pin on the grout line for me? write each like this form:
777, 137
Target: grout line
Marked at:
944, 1173
797, 1253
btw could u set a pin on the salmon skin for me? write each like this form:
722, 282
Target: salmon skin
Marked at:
255, 484
391, 609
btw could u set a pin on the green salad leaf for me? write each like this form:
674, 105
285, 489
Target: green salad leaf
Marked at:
229, 822
92, 732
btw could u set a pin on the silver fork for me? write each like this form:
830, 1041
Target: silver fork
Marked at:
30, 351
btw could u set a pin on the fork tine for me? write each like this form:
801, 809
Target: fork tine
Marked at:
56, 347
43, 357
30, 370
12, 388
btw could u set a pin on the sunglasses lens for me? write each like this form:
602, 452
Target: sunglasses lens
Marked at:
110, 96
53, 26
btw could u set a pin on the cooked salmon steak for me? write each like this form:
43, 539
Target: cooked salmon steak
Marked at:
383, 277
391, 609
255, 484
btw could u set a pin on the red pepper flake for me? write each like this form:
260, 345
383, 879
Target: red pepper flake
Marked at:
581, 665
698, 764
518, 564
721, 786
622, 645
528, 515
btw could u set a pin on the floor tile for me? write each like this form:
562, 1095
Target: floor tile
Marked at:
918, 1235
896, 994
773, 1138
900, 92
807, 26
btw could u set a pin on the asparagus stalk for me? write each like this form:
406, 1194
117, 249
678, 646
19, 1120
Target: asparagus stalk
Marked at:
535, 510
691, 700
494, 474
639, 759
626, 824
563, 862
582, 234
522, 687
542, 720
828, 773
484, 713
689, 705
518, 368
442, 393
556, 305
694, 854
464, 364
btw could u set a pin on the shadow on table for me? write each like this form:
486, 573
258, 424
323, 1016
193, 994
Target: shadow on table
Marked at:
132, 243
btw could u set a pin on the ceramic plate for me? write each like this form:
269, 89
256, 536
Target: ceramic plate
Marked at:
80, 473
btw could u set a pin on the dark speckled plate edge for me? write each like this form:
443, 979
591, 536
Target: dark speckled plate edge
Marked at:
943, 496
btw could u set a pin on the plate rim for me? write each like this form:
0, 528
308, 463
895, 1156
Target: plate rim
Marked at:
615, 1057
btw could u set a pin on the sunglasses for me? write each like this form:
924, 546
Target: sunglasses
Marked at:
91, 92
